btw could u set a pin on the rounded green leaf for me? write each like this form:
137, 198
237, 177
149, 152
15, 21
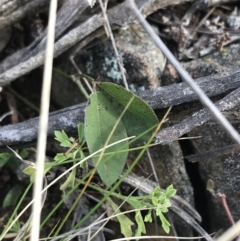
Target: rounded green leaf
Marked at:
100, 119
138, 118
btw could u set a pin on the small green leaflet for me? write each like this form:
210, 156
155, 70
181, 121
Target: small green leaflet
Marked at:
140, 224
104, 109
125, 223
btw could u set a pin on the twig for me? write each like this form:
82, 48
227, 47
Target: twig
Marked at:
15, 10
76, 80
223, 151
12, 107
197, 119
227, 210
152, 166
212, 48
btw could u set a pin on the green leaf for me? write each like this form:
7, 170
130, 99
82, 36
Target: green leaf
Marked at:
30, 171
71, 139
76, 154
62, 138
11, 198
164, 207
141, 225
70, 180
100, 118
125, 225
136, 203
210, 186
4, 157
165, 224
157, 192
48, 166
66, 143
139, 117
85, 163
15, 227
170, 191
124, 221
61, 157
148, 217
155, 201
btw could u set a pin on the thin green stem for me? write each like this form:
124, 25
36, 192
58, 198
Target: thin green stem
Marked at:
78, 82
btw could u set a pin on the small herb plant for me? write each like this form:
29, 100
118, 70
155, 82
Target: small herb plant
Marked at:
113, 114
159, 200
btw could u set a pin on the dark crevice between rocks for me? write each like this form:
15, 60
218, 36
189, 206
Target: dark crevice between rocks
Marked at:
199, 188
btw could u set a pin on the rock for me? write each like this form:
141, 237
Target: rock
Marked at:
143, 61
224, 171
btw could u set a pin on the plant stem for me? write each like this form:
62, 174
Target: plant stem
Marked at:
225, 205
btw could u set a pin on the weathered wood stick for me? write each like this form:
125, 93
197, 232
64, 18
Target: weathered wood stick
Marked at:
229, 150
169, 134
28, 59
68, 118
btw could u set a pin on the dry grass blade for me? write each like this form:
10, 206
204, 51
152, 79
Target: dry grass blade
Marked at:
5, 115
156, 237
109, 32
231, 233
42, 136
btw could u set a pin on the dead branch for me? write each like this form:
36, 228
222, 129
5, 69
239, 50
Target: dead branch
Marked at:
12, 11
229, 150
31, 57
159, 98
170, 134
